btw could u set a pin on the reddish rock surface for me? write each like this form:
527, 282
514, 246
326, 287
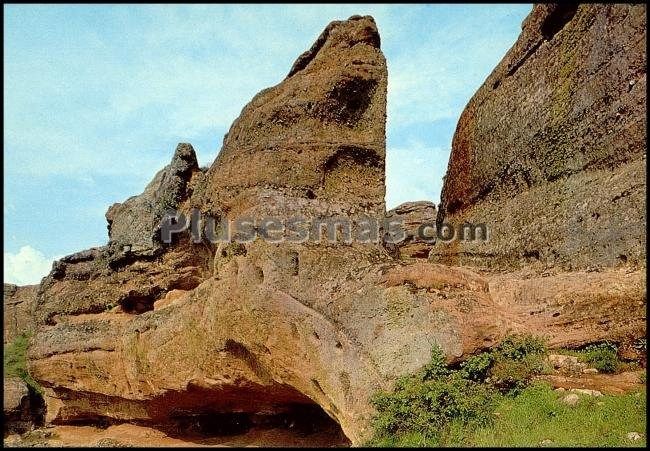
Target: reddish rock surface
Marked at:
18, 305
550, 151
413, 215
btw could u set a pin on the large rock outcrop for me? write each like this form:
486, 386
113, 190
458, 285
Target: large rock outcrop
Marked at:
145, 331
317, 135
18, 305
132, 225
550, 151
269, 324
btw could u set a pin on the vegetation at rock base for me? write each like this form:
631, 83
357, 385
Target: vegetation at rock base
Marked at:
490, 400
15, 361
602, 356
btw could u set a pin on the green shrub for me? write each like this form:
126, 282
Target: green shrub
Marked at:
443, 406
439, 405
419, 412
436, 366
423, 407
511, 376
476, 367
515, 361
603, 357
518, 347
15, 361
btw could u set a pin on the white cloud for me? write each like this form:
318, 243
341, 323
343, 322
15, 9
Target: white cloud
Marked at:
26, 267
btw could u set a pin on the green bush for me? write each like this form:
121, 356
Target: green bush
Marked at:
15, 361
443, 406
439, 404
436, 366
424, 408
420, 412
603, 357
519, 347
476, 367
515, 361
511, 376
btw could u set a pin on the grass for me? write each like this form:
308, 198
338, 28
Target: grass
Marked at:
15, 361
538, 414
490, 400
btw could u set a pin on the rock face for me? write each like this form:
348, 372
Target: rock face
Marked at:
413, 215
550, 152
18, 305
318, 135
145, 331
269, 325
132, 225
17, 408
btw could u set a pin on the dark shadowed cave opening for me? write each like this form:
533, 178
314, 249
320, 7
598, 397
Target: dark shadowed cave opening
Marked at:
274, 415
291, 425
231, 415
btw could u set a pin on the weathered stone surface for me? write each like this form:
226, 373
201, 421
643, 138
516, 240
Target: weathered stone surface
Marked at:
270, 325
135, 269
414, 215
132, 225
319, 134
574, 308
18, 305
89, 285
16, 411
571, 399
550, 152
16, 395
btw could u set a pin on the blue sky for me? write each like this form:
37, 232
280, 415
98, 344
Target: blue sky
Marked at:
96, 98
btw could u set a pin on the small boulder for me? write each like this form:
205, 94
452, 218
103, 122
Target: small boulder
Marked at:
16, 395
566, 363
16, 413
586, 391
571, 399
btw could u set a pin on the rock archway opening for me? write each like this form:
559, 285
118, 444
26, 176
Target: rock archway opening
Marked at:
289, 425
261, 415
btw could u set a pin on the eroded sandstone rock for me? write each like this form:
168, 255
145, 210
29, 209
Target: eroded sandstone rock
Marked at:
318, 135
550, 151
22, 410
18, 303
413, 216
133, 224
259, 327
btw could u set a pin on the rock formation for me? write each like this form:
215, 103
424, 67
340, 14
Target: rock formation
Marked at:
18, 305
259, 326
415, 215
16, 405
145, 331
550, 151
